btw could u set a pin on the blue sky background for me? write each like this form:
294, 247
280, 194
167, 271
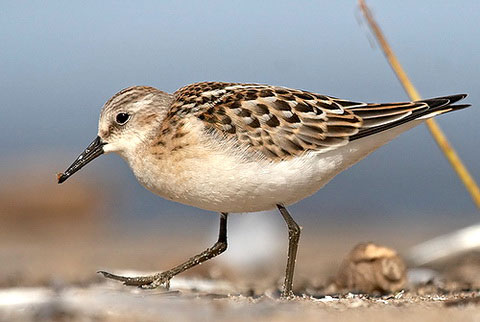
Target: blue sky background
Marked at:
61, 60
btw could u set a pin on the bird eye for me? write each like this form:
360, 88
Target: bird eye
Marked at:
122, 118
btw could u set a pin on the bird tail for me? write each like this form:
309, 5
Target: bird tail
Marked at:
381, 117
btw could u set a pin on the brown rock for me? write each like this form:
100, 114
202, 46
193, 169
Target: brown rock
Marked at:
372, 268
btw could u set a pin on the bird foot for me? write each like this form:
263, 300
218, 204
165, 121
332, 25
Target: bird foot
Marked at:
145, 282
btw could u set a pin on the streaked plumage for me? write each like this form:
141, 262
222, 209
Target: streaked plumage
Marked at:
282, 123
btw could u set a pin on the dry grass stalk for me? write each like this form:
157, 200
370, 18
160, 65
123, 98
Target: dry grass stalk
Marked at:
434, 128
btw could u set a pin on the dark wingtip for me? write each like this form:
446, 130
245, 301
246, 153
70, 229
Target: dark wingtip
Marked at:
455, 98
61, 177
460, 106
438, 102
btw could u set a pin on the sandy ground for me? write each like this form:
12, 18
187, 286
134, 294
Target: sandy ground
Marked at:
50, 275
107, 302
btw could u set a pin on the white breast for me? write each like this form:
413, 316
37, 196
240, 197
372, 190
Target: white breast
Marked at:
220, 180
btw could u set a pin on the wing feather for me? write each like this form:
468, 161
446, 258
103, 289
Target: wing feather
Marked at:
280, 123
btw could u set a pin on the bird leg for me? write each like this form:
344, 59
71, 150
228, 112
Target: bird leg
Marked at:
163, 278
293, 238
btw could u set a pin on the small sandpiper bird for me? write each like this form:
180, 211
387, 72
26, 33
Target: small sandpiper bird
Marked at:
230, 147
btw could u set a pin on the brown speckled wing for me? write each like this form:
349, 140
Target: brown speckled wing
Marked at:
281, 123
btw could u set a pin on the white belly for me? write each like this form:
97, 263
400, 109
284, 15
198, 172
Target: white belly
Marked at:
223, 182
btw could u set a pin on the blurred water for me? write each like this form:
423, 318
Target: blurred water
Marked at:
60, 61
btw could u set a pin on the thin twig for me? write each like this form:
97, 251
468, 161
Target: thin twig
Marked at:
434, 128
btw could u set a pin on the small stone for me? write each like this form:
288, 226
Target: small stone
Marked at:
372, 268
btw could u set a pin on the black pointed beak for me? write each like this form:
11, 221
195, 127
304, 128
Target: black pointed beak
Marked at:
92, 151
